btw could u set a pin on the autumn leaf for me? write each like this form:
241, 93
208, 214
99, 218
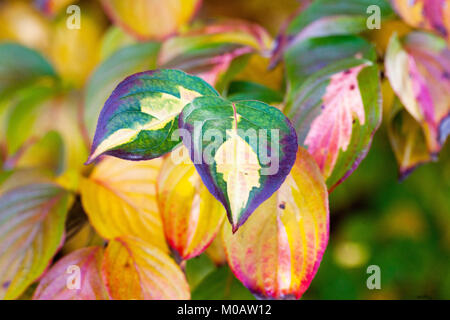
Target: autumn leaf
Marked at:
191, 215
167, 16
211, 51
277, 252
32, 221
120, 199
418, 68
336, 112
430, 15
243, 151
141, 115
76, 276
148, 272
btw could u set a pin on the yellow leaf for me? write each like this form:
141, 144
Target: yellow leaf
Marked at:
191, 215
120, 199
134, 269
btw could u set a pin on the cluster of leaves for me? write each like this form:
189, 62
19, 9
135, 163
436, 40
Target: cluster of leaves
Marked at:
139, 222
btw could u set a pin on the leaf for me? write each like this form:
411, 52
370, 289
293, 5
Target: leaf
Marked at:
31, 231
418, 69
191, 215
76, 51
312, 55
336, 112
407, 139
209, 51
277, 252
243, 151
20, 66
148, 272
246, 90
42, 110
128, 60
119, 198
429, 15
324, 18
60, 282
221, 285
140, 116
216, 251
166, 16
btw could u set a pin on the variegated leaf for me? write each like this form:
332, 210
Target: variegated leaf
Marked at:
141, 115
432, 15
418, 69
209, 51
336, 112
243, 151
191, 215
277, 252
32, 221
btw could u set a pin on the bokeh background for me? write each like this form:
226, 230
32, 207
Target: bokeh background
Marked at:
401, 226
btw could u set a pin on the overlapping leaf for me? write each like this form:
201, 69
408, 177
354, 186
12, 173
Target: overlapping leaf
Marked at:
120, 199
141, 115
76, 276
277, 252
32, 221
431, 15
128, 60
418, 68
191, 215
134, 269
21, 66
243, 151
336, 112
209, 51
327, 18
151, 19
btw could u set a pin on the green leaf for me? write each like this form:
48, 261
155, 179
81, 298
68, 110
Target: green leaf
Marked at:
246, 90
221, 284
141, 115
243, 151
128, 60
32, 221
312, 55
20, 66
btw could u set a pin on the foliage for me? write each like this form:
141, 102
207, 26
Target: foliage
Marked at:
218, 149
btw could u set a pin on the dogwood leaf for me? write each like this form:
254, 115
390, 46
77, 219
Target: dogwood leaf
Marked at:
76, 276
32, 221
242, 150
277, 252
135, 269
336, 112
140, 116
191, 215
166, 16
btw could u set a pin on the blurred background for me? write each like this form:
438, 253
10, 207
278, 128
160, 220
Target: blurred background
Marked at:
402, 227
